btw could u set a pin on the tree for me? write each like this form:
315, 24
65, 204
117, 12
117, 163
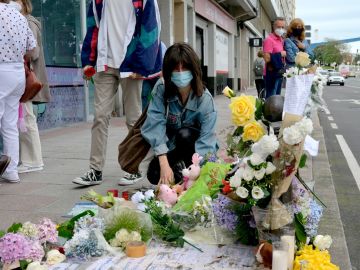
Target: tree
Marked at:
356, 59
330, 52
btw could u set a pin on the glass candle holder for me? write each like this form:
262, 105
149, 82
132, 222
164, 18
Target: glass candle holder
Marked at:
288, 236
280, 255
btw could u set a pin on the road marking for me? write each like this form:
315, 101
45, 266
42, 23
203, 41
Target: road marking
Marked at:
331, 118
351, 160
326, 110
352, 86
334, 126
355, 101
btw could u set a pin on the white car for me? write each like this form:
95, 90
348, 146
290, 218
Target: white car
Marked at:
335, 78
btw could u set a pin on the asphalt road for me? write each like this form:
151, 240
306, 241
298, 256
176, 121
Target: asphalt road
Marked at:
341, 125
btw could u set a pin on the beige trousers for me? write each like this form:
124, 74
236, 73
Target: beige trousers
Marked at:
106, 86
30, 146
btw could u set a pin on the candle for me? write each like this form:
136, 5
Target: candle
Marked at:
290, 240
114, 192
279, 260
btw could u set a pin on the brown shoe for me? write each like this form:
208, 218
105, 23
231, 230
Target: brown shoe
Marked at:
4, 163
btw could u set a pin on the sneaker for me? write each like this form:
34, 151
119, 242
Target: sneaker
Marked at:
130, 179
90, 178
10, 178
25, 169
4, 163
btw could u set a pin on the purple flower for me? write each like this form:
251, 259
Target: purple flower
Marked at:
224, 215
14, 247
47, 231
36, 251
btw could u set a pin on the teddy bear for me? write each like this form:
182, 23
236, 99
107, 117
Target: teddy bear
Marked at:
191, 173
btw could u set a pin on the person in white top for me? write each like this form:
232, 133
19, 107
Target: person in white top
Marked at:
16, 39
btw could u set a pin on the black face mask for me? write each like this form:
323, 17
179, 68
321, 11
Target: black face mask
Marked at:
297, 32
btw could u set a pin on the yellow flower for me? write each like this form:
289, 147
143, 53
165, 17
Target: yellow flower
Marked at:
242, 109
302, 59
314, 259
253, 131
228, 92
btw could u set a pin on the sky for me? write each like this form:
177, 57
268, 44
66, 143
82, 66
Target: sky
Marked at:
332, 18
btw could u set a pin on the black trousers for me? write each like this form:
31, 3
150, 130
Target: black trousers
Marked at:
179, 158
260, 85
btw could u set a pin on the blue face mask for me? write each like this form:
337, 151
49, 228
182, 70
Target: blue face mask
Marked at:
181, 79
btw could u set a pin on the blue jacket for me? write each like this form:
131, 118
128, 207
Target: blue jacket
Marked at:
161, 125
143, 54
292, 49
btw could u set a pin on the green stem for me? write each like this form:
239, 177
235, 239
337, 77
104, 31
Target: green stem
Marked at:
308, 189
193, 245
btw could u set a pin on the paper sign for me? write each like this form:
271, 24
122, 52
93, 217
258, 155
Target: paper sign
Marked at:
311, 145
297, 93
82, 207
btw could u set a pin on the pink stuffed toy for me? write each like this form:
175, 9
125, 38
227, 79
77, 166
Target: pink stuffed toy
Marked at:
167, 195
192, 173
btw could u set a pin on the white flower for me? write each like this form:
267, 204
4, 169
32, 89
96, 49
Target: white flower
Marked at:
141, 207
29, 229
257, 193
270, 168
54, 257
292, 135
242, 192
235, 181
36, 266
248, 174
267, 145
149, 194
291, 72
138, 197
302, 59
305, 126
322, 242
135, 236
256, 159
259, 174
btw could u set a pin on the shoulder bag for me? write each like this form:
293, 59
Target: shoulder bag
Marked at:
33, 85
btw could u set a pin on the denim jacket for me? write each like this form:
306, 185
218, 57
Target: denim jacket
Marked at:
292, 49
162, 124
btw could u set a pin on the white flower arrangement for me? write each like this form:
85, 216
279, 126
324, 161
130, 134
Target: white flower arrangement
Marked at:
256, 159
139, 199
257, 193
235, 180
242, 192
122, 237
296, 133
259, 174
248, 174
267, 145
54, 257
322, 242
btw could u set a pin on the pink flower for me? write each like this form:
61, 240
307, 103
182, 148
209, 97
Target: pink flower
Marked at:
36, 252
47, 231
14, 247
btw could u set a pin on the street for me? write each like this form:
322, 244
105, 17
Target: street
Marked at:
341, 125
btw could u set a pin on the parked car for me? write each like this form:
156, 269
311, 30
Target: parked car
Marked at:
351, 74
324, 73
335, 78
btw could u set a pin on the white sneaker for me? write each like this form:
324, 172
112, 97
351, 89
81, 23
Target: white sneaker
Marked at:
130, 179
10, 178
26, 169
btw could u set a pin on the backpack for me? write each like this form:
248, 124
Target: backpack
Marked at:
258, 68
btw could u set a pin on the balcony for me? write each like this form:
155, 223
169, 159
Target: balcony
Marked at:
241, 10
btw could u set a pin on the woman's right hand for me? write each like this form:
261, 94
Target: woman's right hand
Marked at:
166, 173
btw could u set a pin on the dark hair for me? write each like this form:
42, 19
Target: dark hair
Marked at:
184, 54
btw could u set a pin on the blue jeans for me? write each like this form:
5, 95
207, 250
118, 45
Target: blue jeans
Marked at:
1, 145
147, 88
273, 85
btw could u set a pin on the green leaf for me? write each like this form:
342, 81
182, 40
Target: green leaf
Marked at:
299, 231
2, 233
23, 264
303, 161
238, 131
259, 109
14, 228
66, 229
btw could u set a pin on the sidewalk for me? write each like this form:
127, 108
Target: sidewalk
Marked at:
51, 193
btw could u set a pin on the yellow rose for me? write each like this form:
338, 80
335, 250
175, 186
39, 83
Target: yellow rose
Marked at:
253, 131
302, 59
228, 92
242, 109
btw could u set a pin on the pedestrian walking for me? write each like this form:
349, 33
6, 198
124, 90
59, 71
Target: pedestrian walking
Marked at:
123, 43
181, 118
259, 66
30, 145
274, 56
16, 40
295, 41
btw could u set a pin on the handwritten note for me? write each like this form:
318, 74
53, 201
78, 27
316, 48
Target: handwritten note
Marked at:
297, 93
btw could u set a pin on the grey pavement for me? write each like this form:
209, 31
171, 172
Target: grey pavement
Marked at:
66, 151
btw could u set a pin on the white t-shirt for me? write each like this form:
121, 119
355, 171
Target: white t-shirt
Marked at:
15, 35
118, 15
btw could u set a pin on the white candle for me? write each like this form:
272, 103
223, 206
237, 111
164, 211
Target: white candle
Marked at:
279, 260
290, 240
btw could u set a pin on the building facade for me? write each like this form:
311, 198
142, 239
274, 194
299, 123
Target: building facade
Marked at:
220, 31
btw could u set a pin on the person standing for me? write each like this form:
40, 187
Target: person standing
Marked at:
259, 65
274, 56
30, 146
295, 41
16, 40
123, 42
